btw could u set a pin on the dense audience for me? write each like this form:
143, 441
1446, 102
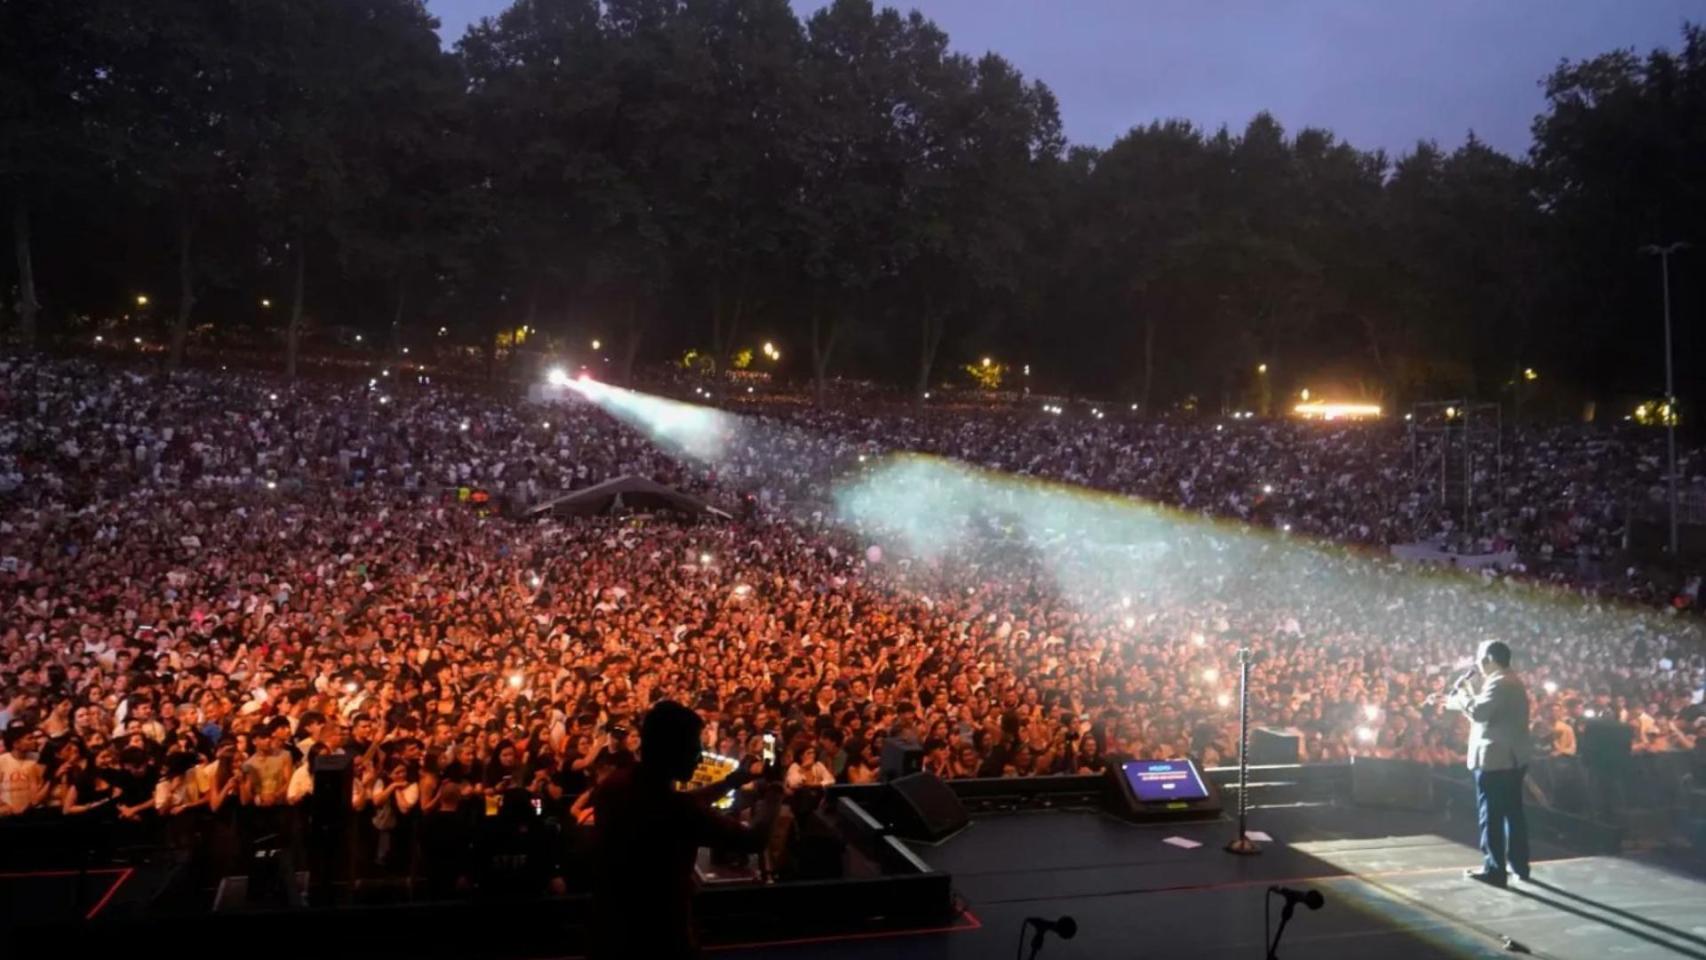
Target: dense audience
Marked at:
208, 580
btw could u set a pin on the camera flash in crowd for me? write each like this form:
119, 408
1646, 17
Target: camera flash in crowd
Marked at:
1210, 675
515, 680
1223, 700
350, 687
1549, 687
1370, 712
704, 559
1365, 734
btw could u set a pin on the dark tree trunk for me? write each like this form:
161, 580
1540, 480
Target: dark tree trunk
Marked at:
397, 314
186, 290
636, 335
27, 305
824, 334
726, 320
1148, 360
930, 339
293, 334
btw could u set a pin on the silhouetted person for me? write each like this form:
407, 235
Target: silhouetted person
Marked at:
648, 835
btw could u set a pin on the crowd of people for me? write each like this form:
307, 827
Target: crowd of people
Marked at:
211, 578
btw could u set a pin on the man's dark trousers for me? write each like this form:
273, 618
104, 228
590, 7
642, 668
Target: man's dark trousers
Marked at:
1504, 827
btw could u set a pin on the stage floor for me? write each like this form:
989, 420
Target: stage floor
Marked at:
1392, 880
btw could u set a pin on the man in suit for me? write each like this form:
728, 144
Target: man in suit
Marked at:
1499, 752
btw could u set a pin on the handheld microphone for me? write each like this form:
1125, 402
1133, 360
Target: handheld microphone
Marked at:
1065, 928
1309, 898
1467, 676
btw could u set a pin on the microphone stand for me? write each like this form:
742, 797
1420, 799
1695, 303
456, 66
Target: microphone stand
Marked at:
1242, 844
1285, 918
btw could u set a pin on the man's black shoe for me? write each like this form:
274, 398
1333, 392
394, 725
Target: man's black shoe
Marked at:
1487, 877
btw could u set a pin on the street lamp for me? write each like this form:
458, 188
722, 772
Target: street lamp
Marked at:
1663, 253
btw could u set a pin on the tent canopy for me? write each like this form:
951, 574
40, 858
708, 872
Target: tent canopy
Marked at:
628, 492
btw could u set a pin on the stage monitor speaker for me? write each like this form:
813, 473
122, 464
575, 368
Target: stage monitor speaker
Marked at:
901, 758
1269, 746
1604, 745
1398, 784
333, 780
925, 808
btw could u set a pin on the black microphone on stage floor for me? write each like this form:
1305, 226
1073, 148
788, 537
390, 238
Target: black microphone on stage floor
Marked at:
1309, 898
1066, 928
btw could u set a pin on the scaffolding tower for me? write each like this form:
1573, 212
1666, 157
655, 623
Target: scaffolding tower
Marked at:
1449, 441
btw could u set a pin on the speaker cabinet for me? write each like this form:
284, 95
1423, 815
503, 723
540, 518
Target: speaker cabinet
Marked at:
926, 808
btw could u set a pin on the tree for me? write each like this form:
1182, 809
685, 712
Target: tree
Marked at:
55, 75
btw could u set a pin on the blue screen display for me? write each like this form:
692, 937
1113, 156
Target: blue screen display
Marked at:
1158, 781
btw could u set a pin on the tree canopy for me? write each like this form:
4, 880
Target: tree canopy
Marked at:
662, 175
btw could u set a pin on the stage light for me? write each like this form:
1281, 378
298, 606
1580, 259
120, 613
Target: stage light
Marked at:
1261, 368
1529, 374
1550, 687
142, 299
558, 377
136, 340
358, 338
987, 361
265, 303
1366, 734
1211, 675
1322, 410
